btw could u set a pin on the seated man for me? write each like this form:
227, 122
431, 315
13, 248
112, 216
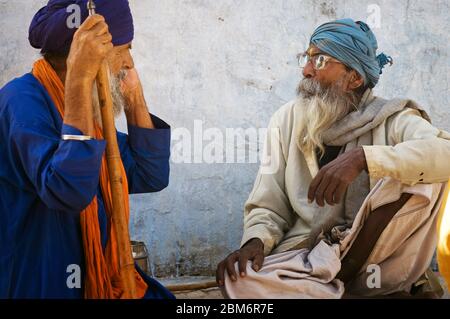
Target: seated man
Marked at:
335, 145
57, 239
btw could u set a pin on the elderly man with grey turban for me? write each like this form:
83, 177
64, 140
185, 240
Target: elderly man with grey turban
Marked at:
346, 201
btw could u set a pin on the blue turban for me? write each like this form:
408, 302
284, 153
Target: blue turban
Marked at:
354, 44
50, 33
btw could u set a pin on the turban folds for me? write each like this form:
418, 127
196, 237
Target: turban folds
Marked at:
354, 44
50, 31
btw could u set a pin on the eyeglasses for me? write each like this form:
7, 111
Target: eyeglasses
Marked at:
319, 61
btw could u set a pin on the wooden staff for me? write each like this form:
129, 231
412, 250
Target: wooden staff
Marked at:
126, 262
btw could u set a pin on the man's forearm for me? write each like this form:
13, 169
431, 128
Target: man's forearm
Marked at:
137, 113
78, 111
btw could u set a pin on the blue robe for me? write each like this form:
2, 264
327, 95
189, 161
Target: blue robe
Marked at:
46, 182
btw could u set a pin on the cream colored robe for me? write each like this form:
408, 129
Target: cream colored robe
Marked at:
400, 256
405, 147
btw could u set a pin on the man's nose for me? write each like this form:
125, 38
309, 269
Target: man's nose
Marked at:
127, 62
308, 70
128, 65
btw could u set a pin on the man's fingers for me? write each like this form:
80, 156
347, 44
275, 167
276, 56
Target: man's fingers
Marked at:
257, 262
314, 184
131, 81
327, 179
321, 189
105, 38
99, 29
340, 191
229, 265
91, 21
220, 272
330, 190
242, 264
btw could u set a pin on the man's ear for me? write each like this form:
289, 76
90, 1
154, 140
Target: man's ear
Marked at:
355, 81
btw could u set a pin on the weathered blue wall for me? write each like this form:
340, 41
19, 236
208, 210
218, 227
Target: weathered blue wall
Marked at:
231, 64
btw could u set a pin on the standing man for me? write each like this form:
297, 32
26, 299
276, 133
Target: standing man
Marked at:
55, 202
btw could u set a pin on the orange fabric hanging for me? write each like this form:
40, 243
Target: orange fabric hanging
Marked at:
102, 278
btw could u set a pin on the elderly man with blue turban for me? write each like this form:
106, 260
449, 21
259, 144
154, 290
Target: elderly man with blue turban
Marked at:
56, 235
347, 200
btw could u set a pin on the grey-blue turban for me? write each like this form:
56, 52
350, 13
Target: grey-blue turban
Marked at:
354, 44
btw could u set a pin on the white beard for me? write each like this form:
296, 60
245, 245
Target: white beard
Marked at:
118, 100
322, 108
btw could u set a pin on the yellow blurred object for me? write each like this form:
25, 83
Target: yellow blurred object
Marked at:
443, 249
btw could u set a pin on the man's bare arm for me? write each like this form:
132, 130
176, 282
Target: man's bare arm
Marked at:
89, 48
136, 112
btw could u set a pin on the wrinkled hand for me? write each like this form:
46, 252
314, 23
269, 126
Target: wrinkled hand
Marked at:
253, 250
90, 46
334, 178
130, 84
136, 109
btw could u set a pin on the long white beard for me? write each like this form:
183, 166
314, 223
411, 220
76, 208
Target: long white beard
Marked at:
322, 107
118, 99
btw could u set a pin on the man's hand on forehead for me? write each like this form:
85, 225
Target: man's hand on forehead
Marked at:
130, 81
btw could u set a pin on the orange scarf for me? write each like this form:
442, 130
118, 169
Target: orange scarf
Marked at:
102, 280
